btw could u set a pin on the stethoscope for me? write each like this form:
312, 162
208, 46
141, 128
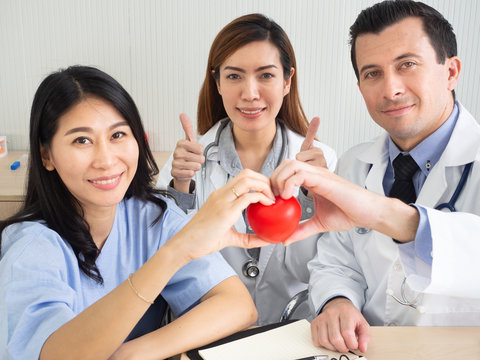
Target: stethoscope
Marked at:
404, 301
250, 268
223, 124
450, 206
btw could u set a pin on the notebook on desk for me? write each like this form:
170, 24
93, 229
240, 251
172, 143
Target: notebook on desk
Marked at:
282, 341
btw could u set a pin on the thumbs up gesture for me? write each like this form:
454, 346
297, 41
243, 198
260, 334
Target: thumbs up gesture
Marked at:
308, 153
187, 157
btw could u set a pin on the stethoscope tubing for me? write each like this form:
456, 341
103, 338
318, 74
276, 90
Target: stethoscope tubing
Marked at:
224, 123
251, 267
461, 184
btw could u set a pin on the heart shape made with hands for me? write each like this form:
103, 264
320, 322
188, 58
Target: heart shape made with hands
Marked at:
275, 223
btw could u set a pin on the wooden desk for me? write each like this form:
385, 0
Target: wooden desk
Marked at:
421, 343
13, 182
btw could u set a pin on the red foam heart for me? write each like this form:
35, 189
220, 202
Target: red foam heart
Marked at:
275, 223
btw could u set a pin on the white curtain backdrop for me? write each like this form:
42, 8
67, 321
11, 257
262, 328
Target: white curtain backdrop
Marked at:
158, 50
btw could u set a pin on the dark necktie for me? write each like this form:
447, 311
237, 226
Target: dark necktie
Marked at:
404, 168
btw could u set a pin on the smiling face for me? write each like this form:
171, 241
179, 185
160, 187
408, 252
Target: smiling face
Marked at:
95, 154
406, 90
252, 86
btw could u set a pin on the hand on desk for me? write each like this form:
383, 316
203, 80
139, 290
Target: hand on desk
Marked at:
341, 327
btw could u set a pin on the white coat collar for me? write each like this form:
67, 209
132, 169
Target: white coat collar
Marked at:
462, 148
464, 143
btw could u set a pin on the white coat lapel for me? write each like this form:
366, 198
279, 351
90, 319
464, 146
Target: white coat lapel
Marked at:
464, 144
461, 150
434, 187
265, 254
217, 177
377, 156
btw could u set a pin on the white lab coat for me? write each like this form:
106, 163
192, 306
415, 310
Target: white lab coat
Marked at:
362, 267
283, 270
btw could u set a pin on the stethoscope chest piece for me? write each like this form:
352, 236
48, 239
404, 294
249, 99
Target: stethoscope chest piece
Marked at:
362, 230
250, 269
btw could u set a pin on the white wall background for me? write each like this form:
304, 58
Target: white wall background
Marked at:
158, 50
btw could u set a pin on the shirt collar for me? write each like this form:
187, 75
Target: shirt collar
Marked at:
428, 152
228, 157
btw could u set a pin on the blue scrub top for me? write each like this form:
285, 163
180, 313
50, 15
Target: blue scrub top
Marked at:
42, 287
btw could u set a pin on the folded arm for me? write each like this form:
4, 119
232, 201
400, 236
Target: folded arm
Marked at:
225, 309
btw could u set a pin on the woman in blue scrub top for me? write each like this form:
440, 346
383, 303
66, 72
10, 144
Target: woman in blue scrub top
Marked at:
94, 243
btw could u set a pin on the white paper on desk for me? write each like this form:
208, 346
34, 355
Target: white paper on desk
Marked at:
288, 342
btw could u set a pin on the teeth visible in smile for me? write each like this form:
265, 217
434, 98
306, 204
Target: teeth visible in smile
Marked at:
250, 112
104, 182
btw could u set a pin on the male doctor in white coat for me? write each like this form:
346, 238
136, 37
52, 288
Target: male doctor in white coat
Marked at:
387, 262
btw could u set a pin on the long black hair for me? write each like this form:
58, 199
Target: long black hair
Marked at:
47, 197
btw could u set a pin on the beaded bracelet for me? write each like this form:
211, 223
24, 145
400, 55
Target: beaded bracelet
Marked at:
136, 292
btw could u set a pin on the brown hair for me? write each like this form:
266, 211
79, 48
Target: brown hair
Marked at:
238, 33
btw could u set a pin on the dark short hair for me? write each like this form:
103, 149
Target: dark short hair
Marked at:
386, 13
47, 197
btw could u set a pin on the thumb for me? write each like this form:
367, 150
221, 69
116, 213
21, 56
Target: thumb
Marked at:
311, 132
187, 127
304, 230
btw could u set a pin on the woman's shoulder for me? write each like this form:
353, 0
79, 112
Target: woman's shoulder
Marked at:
135, 204
31, 242
210, 135
146, 221
27, 232
147, 211
296, 140
327, 149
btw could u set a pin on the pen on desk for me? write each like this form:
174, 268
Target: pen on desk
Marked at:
315, 357
16, 164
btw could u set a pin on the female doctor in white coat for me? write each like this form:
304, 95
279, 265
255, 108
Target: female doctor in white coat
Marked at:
250, 116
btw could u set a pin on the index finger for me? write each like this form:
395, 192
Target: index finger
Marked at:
363, 333
187, 128
311, 132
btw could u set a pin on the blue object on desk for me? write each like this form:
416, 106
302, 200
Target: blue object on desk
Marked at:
16, 164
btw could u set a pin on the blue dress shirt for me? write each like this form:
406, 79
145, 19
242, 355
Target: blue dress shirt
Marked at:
426, 155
